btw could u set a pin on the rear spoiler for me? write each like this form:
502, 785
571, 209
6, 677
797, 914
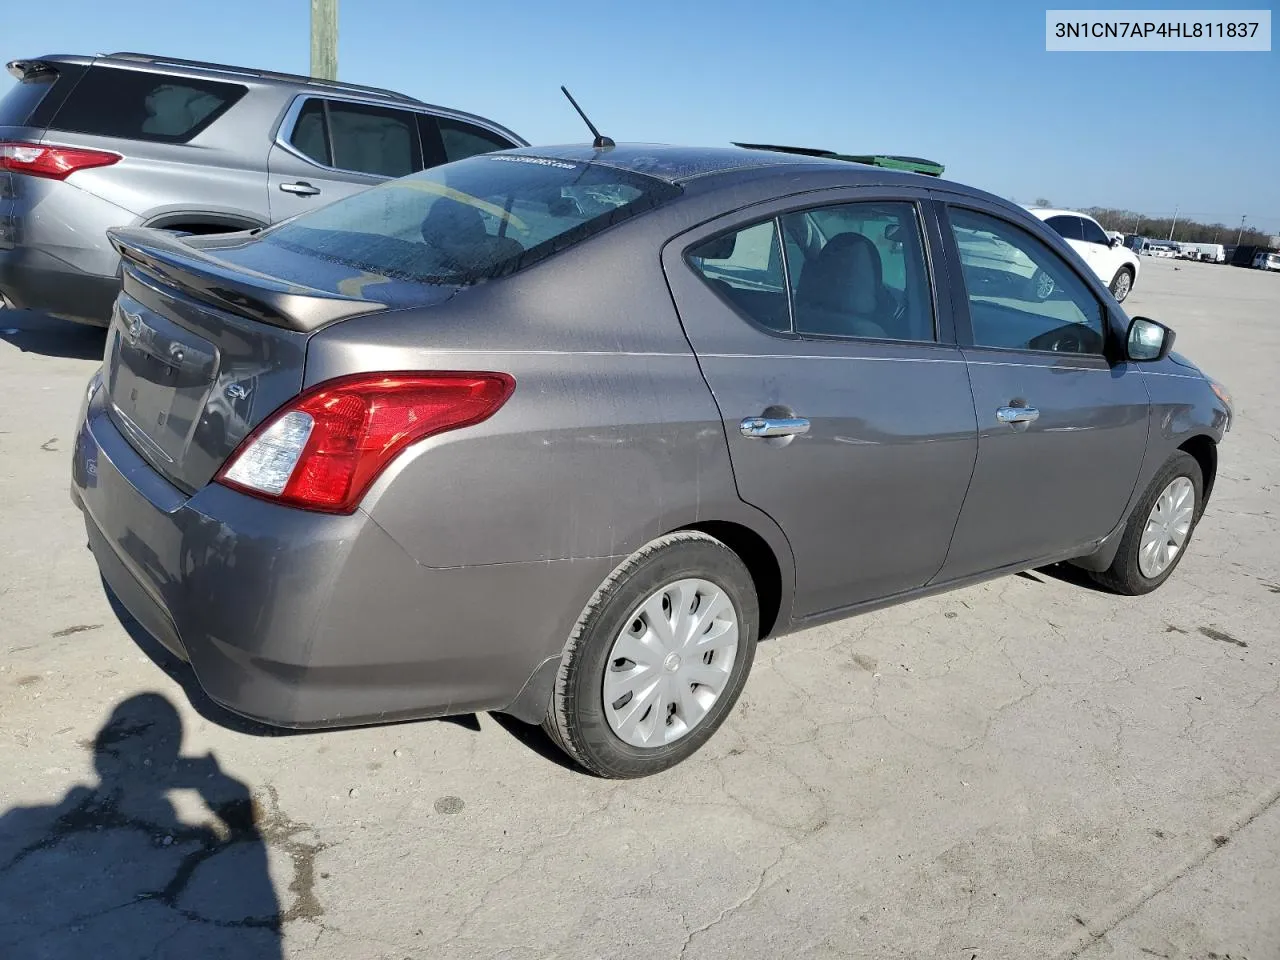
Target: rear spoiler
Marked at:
25, 69
166, 258
890, 162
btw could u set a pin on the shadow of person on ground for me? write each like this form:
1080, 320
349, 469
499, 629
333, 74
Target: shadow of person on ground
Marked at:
33, 332
111, 872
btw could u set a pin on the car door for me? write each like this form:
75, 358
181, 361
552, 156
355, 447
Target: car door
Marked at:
1061, 428
844, 399
329, 148
1104, 258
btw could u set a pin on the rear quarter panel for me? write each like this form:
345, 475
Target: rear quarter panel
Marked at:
610, 439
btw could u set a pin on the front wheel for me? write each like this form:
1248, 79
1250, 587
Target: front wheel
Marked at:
657, 659
1159, 529
1121, 284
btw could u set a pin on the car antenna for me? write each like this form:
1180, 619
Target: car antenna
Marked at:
601, 142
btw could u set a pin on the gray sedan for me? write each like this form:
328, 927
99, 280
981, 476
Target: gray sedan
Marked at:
564, 432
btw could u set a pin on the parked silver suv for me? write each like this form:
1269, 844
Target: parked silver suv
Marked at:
127, 139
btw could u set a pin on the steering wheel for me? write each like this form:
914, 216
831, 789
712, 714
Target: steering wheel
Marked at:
1067, 343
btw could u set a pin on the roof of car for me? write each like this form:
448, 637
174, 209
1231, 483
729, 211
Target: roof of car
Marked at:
1045, 212
678, 164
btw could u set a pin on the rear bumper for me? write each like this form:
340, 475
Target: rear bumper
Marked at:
307, 620
34, 280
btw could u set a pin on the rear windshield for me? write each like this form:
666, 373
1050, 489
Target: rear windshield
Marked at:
136, 105
21, 100
472, 220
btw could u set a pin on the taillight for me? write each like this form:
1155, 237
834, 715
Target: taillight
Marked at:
55, 163
322, 450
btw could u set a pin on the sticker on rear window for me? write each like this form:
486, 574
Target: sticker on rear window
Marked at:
538, 161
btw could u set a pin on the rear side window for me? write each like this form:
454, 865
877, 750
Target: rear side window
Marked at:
311, 133
745, 268
135, 105
373, 140
1066, 227
470, 221
20, 102
462, 140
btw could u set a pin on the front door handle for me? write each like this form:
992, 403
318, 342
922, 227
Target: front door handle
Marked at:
1017, 414
774, 426
301, 188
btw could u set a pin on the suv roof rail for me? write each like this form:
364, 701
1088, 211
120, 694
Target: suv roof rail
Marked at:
264, 74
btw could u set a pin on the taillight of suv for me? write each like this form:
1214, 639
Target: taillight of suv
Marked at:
51, 162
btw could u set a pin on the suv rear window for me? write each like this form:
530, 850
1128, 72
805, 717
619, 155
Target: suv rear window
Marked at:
473, 220
136, 105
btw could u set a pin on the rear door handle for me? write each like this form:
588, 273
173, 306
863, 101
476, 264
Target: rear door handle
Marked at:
774, 426
301, 188
1017, 414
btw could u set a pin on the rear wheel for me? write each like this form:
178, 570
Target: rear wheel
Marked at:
657, 659
1121, 284
1159, 529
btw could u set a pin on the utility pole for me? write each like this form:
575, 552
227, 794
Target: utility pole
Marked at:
324, 39
1175, 222
1241, 233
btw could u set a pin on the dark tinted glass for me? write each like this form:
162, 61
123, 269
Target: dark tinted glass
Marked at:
374, 139
462, 140
17, 105
858, 270
477, 219
745, 268
1067, 227
310, 134
109, 102
1093, 233
1022, 295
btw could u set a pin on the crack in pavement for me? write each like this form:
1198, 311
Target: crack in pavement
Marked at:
1095, 932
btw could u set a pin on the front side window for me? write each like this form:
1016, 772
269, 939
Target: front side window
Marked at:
470, 221
1094, 233
138, 105
373, 140
861, 272
1021, 294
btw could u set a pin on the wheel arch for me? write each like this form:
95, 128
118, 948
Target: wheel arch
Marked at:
1205, 450
203, 222
760, 560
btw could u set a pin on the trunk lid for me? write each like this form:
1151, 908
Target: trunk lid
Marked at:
199, 352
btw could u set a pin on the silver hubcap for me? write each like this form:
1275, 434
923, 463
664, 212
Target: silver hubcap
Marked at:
1122, 286
670, 663
1167, 527
1044, 286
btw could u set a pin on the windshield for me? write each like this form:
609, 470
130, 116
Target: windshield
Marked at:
473, 220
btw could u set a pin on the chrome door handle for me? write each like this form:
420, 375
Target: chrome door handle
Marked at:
1017, 414
301, 188
774, 426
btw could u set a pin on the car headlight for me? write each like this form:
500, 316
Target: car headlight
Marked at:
1223, 394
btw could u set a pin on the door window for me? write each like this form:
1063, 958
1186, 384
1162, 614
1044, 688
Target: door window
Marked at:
1066, 227
745, 268
461, 140
1022, 295
373, 140
1094, 233
311, 133
858, 270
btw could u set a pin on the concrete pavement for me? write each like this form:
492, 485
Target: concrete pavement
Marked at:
1027, 768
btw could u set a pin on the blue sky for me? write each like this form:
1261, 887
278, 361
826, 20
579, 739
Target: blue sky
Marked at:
969, 84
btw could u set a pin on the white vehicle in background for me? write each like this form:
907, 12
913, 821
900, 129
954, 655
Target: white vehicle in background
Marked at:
1159, 248
1265, 260
1206, 252
1114, 263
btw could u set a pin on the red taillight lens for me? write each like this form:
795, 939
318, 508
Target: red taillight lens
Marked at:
55, 163
324, 449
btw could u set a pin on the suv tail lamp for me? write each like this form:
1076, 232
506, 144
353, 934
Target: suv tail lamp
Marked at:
325, 448
53, 163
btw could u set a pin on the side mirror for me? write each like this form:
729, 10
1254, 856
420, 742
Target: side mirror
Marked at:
1116, 241
1148, 340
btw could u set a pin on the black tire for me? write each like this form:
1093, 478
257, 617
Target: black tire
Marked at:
576, 718
1116, 285
1124, 575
